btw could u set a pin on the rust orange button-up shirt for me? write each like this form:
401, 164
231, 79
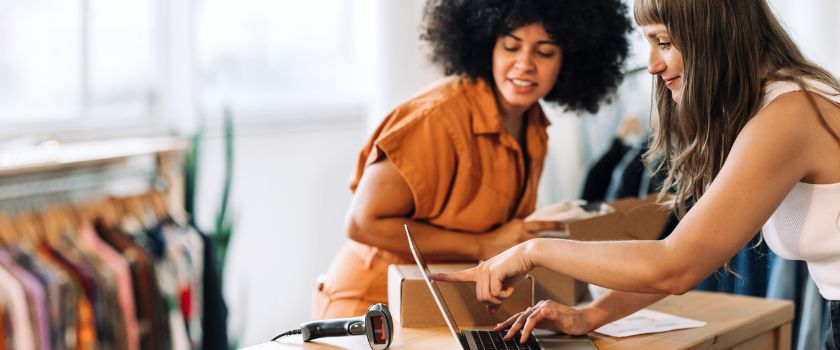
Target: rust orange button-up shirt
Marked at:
465, 173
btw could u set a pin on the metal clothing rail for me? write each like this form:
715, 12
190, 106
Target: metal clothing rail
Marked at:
32, 191
53, 172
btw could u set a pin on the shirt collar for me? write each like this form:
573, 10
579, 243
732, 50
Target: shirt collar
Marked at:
487, 119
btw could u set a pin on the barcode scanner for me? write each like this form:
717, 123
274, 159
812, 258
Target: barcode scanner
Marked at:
377, 324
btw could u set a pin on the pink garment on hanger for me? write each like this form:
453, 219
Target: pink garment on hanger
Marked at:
122, 276
21, 329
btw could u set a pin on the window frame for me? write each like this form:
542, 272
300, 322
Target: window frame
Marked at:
85, 124
177, 104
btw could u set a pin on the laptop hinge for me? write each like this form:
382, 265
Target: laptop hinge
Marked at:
464, 344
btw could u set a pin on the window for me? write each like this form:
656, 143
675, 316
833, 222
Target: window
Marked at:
77, 65
72, 60
269, 54
121, 58
40, 57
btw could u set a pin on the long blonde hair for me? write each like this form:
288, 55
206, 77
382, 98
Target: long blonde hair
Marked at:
731, 49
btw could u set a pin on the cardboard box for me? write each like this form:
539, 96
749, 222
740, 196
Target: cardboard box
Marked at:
550, 285
632, 219
412, 305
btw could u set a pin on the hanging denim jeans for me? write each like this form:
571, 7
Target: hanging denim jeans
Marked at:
834, 311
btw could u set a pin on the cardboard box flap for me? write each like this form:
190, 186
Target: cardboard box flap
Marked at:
597, 228
645, 221
632, 219
625, 205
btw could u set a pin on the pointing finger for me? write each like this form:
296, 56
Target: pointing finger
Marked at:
458, 276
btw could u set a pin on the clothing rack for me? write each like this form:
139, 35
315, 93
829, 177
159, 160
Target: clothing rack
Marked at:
170, 291
53, 171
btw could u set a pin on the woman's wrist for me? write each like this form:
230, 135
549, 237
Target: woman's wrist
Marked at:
532, 252
594, 317
477, 246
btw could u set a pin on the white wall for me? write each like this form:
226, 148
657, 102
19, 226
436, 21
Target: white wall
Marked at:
813, 25
289, 197
290, 188
400, 65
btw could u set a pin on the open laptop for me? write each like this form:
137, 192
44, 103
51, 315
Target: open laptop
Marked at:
474, 339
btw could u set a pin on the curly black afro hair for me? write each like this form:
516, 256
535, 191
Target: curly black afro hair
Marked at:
592, 34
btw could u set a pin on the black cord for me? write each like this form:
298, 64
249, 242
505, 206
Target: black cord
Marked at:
291, 332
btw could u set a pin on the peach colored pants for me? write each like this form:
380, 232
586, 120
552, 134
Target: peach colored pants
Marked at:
357, 279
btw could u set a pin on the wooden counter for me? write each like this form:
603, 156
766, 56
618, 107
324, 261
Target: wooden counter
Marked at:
732, 322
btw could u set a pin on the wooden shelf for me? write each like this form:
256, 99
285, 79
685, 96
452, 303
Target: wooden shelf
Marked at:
51, 156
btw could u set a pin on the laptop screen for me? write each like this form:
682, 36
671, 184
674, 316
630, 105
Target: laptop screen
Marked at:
424, 270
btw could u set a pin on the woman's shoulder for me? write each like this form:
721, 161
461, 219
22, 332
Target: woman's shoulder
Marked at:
446, 101
448, 93
786, 113
784, 81
791, 121
789, 104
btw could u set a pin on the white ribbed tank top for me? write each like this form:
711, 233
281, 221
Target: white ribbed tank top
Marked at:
806, 226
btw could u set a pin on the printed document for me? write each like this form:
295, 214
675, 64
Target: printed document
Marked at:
647, 321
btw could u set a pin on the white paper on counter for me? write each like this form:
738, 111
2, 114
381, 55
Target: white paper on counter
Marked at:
647, 321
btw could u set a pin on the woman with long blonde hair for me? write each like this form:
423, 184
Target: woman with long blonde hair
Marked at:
750, 132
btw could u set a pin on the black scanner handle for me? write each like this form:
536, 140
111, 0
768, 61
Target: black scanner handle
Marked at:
333, 328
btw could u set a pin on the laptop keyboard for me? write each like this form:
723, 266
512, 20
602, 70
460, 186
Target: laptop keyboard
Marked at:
487, 340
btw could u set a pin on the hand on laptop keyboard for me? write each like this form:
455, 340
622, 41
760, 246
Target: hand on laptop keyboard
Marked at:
493, 340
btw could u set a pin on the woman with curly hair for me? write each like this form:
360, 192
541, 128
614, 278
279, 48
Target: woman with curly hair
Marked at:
750, 130
461, 162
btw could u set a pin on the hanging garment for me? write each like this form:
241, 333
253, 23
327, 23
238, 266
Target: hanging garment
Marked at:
122, 278
150, 306
22, 331
215, 314
75, 309
55, 285
184, 249
36, 298
107, 312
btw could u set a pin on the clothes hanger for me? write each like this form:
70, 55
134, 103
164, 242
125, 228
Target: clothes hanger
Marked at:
46, 224
24, 223
94, 211
104, 210
14, 237
83, 213
134, 211
121, 215
148, 213
158, 204
74, 214
115, 210
165, 211
8, 233
67, 224
156, 209
49, 223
